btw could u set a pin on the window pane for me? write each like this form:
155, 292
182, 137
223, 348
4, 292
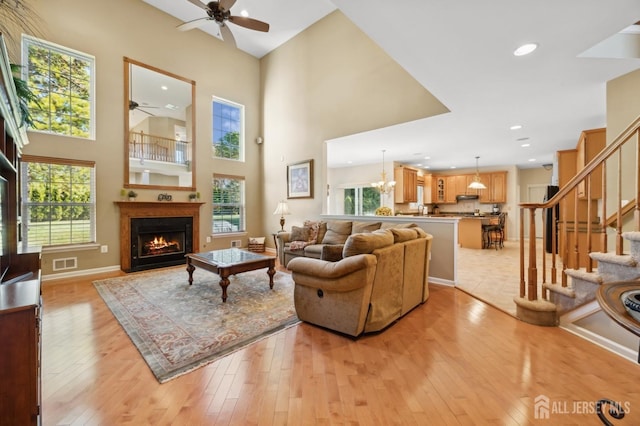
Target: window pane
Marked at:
58, 204
62, 80
227, 130
228, 205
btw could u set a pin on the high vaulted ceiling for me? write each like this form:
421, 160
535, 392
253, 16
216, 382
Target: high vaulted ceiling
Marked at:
462, 52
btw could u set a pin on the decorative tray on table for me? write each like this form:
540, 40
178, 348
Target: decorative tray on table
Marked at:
631, 301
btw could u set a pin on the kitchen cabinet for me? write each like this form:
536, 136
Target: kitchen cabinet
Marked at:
590, 144
406, 189
438, 184
451, 187
426, 189
496, 192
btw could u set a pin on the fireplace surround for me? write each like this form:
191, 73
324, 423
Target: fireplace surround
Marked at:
176, 222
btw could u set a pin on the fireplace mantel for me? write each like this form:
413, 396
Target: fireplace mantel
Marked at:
141, 209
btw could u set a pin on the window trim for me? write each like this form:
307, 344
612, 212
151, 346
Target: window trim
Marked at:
94, 220
30, 40
243, 205
241, 142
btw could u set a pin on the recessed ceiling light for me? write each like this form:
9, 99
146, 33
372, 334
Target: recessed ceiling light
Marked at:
427, 158
164, 87
419, 165
525, 49
532, 160
524, 145
515, 127
244, 13
452, 167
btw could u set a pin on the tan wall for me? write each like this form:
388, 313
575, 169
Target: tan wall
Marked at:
114, 29
623, 107
328, 82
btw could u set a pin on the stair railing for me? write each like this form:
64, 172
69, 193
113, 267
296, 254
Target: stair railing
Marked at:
570, 245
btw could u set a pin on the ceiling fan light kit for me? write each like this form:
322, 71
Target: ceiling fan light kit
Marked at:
220, 12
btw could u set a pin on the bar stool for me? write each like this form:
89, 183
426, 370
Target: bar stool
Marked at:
493, 232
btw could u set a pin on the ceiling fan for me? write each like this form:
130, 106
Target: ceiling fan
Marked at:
220, 12
134, 105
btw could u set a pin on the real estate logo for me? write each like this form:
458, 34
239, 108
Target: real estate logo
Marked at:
541, 407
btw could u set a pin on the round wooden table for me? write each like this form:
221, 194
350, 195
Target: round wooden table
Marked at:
608, 296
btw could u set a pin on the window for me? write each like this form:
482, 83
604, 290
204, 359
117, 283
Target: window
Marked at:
228, 129
63, 82
58, 201
361, 201
228, 204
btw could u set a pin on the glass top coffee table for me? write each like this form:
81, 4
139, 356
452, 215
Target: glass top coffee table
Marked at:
230, 262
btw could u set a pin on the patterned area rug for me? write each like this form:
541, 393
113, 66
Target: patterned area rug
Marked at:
178, 328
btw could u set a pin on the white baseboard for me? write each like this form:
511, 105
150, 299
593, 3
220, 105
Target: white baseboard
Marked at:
81, 273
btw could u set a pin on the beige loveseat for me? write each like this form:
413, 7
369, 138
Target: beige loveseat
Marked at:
382, 275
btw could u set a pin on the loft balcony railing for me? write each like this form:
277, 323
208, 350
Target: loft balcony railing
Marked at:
156, 148
571, 247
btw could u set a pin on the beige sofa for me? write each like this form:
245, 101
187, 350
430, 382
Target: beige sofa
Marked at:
329, 240
382, 275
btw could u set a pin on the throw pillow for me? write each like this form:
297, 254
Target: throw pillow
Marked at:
401, 235
366, 243
313, 230
337, 232
360, 227
299, 233
331, 253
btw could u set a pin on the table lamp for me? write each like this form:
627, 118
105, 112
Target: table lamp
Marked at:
282, 209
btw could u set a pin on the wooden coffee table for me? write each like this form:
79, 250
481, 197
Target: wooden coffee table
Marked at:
230, 262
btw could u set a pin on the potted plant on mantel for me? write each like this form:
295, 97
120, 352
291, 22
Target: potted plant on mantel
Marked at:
194, 196
132, 195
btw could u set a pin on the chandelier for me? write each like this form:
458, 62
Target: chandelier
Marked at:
383, 186
476, 183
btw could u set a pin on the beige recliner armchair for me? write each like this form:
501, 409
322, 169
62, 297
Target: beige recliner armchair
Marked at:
380, 278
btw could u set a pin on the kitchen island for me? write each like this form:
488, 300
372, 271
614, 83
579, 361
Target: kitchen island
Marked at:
470, 230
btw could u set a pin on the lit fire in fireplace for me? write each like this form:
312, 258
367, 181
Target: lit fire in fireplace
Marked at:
159, 245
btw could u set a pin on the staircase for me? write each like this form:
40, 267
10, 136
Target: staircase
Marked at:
607, 221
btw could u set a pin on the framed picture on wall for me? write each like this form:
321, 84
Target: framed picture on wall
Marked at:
300, 180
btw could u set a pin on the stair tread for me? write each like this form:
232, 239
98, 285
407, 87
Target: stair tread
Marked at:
582, 274
557, 288
631, 235
619, 259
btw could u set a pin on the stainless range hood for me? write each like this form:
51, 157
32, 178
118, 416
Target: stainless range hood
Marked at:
466, 197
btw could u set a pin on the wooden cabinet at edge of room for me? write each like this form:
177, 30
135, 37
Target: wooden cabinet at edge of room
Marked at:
406, 189
589, 145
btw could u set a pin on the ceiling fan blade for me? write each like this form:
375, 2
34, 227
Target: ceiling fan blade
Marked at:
227, 36
193, 24
198, 3
226, 4
252, 24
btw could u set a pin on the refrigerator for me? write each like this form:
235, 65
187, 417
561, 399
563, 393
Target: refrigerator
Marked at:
550, 227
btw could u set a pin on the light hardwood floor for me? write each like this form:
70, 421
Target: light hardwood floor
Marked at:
452, 361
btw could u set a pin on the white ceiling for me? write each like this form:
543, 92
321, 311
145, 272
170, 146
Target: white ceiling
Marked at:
461, 52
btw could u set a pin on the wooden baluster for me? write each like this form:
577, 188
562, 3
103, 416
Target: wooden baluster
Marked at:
533, 270
619, 242
565, 239
603, 215
554, 245
522, 282
576, 224
636, 213
589, 266
544, 256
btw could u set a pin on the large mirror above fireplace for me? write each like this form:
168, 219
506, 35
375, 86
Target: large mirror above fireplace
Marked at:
159, 128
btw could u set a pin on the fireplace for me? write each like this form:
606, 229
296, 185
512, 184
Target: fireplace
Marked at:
160, 241
168, 231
